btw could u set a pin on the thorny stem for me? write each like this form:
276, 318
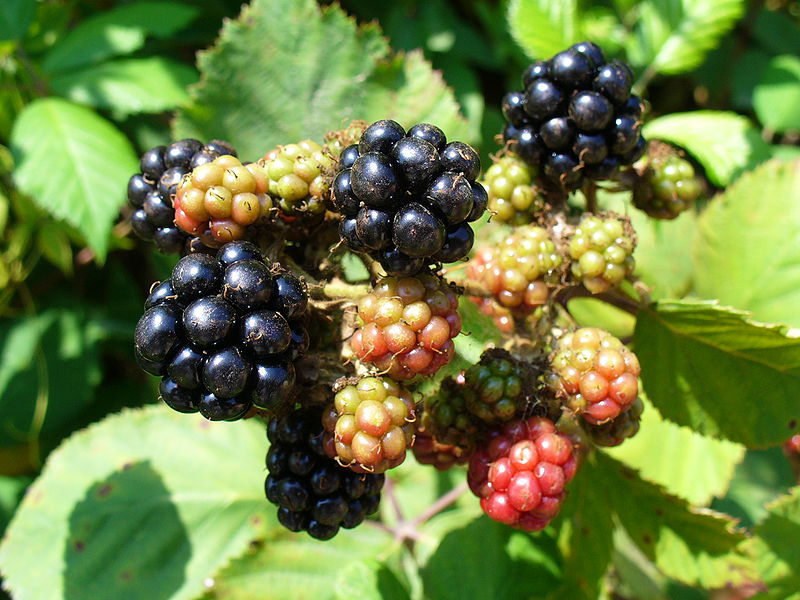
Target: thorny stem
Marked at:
623, 302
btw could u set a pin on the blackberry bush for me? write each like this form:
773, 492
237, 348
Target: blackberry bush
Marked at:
220, 199
312, 492
595, 374
601, 249
520, 473
576, 119
372, 424
407, 325
151, 192
223, 332
407, 198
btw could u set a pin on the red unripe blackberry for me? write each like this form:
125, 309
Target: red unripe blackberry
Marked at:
407, 325
520, 473
601, 249
429, 451
669, 187
512, 198
595, 373
620, 429
218, 200
371, 424
516, 271
502, 316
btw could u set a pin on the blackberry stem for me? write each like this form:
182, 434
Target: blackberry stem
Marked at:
442, 503
590, 192
623, 302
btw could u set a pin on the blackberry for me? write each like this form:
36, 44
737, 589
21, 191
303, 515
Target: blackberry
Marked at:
503, 317
407, 325
520, 473
406, 198
601, 250
512, 198
669, 186
151, 192
223, 332
371, 424
429, 451
517, 272
617, 431
498, 388
595, 374
446, 419
299, 178
221, 198
312, 492
576, 119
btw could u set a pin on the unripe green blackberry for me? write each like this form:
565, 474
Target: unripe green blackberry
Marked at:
601, 250
516, 272
620, 429
299, 178
218, 200
407, 325
498, 388
512, 198
595, 374
446, 418
670, 187
371, 424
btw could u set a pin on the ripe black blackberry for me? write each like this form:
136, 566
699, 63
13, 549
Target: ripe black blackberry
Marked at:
150, 192
407, 198
312, 492
223, 333
576, 118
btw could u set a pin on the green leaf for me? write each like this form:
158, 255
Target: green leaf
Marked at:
292, 566
542, 28
502, 564
592, 312
285, 71
369, 580
689, 465
707, 367
742, 253
146, 504
478, 331
745, 77
74, 164
49, 365
775, 547
115, 32
673, 36
15, 18
127, 86
586, 537
694, 546
724, 143
777, 95
777, 31
53, 242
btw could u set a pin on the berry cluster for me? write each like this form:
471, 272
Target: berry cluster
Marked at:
299, 178
407, 325
670, 187
576, 118
498, 388
601, 250
223, 332
430, 451
312, 492
371, 424
595, 374
617, 431
515, 272
150, 192
512, 197
406, 198
221, 198
520, 472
